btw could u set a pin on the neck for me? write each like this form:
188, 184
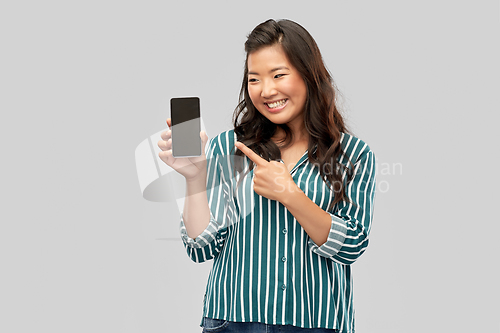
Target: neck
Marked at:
299, 134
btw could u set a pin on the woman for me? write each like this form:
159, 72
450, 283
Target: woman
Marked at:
283, 202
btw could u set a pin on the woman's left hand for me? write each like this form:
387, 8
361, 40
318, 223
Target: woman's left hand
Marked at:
270, 179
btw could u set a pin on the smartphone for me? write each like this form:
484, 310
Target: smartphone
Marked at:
185, 116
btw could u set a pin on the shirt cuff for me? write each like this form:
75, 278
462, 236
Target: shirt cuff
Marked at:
335, 241
210, 234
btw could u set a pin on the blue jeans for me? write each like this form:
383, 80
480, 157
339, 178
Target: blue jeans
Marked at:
223, 326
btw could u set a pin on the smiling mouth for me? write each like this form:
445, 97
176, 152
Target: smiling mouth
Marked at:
276, 104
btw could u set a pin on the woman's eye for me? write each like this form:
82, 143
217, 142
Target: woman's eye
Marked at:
277, 76
252, 80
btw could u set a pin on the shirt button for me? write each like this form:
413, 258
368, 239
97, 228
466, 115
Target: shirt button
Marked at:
284, 231
283, 259
283, 287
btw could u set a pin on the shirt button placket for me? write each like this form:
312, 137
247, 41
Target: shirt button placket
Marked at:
283, 259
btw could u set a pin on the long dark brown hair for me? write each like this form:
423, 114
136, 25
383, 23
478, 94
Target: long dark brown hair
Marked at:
322, 118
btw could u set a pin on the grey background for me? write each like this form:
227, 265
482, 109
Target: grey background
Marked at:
83, 83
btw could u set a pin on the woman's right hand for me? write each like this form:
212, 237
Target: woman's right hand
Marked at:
190, 167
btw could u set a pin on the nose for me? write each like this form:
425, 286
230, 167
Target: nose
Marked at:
268, 89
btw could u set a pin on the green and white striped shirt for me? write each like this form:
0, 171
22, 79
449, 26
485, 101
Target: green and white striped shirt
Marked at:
266, 268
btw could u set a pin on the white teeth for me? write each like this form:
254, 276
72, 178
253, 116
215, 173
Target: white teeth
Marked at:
276, 104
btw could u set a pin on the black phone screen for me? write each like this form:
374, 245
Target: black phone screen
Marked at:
185, 116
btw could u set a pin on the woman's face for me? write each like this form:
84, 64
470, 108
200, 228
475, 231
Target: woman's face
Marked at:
275, 87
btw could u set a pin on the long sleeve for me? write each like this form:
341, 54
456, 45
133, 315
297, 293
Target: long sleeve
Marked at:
210, 242
351, 221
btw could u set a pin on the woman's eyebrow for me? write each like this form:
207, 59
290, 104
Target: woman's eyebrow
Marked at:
272, 70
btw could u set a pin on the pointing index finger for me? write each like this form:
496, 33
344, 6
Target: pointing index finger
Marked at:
250, 153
